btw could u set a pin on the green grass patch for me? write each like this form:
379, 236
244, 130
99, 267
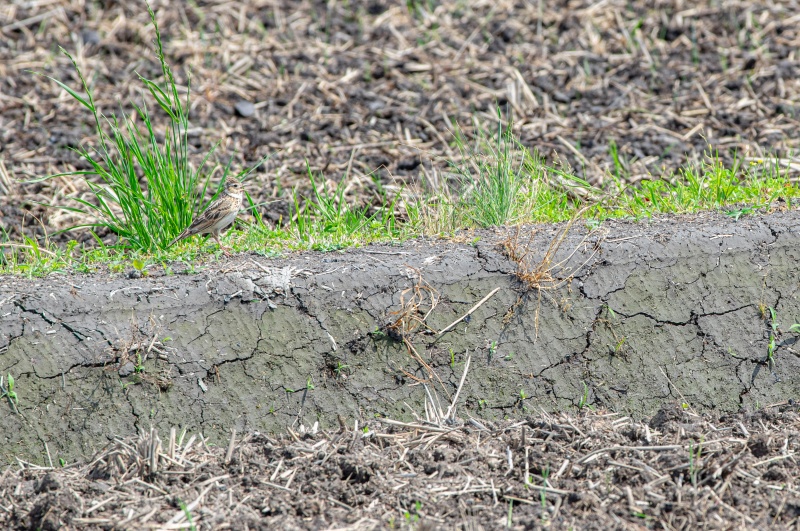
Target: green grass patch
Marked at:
497, 181
708, 186
327, 221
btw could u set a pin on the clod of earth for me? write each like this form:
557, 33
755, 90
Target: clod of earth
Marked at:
639, 314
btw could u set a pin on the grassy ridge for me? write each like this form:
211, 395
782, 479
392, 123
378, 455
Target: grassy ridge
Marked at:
497, 183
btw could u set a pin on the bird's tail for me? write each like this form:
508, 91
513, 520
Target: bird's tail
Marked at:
181, 236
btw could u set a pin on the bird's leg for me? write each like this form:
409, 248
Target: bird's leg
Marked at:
225, 250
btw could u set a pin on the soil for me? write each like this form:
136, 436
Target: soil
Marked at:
625, 318
371, 92
668, 343
593, 470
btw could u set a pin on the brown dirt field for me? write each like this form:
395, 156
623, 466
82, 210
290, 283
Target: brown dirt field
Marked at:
369, 92
595, 470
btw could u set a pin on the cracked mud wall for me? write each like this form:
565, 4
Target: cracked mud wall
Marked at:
663, 311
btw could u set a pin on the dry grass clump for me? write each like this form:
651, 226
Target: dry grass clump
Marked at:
545, 274
416, 305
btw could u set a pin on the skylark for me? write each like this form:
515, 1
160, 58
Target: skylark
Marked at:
219, 214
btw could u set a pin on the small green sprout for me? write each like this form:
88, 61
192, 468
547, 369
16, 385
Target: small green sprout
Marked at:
738, 213
138, 265
188, 515
592, 224
583, 402
543, 492
139, 367
9, 393
771, 351
620, 343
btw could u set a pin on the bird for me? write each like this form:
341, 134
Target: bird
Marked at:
218, 216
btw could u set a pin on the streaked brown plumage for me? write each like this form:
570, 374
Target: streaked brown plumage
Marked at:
219, 215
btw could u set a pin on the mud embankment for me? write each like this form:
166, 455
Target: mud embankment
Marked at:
690, 310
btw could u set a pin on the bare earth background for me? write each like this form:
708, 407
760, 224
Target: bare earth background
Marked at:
420, 477
370, 91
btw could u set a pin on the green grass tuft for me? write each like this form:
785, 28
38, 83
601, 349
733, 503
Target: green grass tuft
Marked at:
495, 181
707, 186
327, 222
149, 192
